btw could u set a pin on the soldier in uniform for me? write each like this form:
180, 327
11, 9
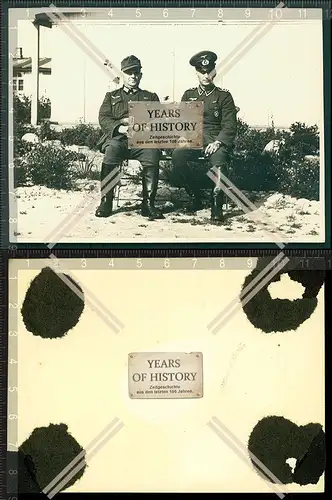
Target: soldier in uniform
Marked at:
219, 131
113, 120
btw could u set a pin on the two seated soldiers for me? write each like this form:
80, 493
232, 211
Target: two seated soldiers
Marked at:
219, 131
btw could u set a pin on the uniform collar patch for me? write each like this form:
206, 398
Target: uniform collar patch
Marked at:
202, 91
130, 91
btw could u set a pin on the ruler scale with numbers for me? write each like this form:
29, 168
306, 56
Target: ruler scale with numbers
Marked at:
183, 259
3, 375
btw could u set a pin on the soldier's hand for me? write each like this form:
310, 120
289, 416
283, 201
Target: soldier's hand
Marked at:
123, 129
212, 148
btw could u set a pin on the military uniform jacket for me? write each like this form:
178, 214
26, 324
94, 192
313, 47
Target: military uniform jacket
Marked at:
220, 121
114, 108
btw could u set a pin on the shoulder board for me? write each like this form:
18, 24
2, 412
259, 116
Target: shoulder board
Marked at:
115, 92
223, 90
193, 90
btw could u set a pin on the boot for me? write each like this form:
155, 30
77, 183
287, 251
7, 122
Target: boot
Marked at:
218, 197
217, 204
150, 177
106, 205
195, 200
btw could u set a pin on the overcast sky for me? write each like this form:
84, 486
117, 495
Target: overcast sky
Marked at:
280, 75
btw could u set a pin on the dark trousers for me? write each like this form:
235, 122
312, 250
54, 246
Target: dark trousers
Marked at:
117, 151
191, 174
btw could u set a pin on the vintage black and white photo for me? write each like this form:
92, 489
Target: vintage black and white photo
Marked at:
255, 175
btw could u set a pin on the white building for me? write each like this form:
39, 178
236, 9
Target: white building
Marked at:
23, 83
281, 74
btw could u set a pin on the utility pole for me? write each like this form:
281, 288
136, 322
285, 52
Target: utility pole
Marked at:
173, 89
84, 90
35, 78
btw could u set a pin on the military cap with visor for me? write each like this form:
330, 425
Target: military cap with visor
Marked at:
130, 62
204, 60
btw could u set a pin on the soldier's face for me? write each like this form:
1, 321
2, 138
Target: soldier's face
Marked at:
132, 77
205, 77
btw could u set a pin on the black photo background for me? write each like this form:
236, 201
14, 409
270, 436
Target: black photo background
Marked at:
51, 309
23, 481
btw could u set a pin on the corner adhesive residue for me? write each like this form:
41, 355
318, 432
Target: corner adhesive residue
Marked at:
51, 308
51, 449
281, 315
275, 440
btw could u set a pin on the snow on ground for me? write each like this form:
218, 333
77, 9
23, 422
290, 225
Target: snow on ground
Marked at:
49, 215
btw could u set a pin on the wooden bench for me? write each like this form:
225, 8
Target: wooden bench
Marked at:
125, 175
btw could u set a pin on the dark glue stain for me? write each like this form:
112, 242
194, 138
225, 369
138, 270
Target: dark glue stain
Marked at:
312, 281
311, 465
275, 440
47, 451
51, 307
281, 315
